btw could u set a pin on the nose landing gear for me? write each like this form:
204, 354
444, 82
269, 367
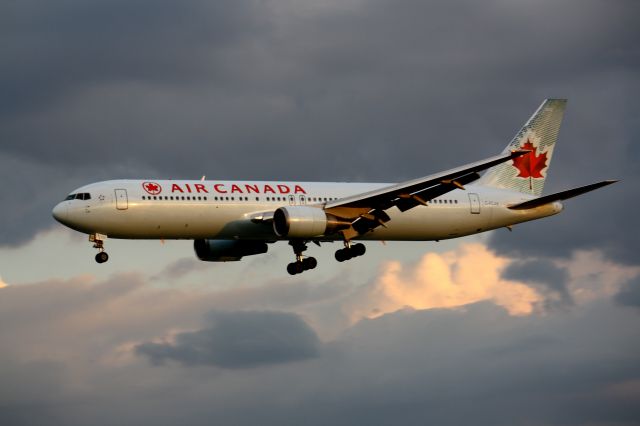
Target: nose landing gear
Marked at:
302, 263
98, 243
350, 251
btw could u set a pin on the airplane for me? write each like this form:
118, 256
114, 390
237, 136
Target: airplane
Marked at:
229, 220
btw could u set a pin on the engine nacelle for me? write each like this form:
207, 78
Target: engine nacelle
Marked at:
227, 250
305, 222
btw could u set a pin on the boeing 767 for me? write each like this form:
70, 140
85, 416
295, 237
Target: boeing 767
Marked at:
231, 219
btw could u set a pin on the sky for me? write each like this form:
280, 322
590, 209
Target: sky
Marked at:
539, 326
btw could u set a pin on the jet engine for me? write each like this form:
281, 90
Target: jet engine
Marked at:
227, 250
306, 222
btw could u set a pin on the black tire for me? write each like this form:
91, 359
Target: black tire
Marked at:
102, 257
359, 249
343, 254
292, 269
309, 263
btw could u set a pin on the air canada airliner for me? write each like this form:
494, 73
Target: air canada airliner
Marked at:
231, 219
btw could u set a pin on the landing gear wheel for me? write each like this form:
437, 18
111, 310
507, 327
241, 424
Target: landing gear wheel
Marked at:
292, 268
343, 254
349, 252
302, 265
358, 249
98, 243
309, 263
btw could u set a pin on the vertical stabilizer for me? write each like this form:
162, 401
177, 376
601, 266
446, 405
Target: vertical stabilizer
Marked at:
539, 134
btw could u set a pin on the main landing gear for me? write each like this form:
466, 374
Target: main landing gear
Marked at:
305, 263
350, 251
98, 243
302, 263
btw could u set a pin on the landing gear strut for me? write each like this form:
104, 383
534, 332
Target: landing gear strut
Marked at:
98, 243
350, 251
302, 263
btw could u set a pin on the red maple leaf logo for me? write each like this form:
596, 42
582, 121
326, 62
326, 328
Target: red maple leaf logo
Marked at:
530, 165
152, 188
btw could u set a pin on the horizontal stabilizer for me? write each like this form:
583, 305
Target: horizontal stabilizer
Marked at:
559, 196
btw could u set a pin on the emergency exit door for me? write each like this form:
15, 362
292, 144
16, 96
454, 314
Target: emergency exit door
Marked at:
474, 201
122, 202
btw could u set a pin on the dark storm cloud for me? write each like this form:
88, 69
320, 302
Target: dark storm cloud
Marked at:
629, 295
378, 91
239, 340
602, 220
64, 47
546, 277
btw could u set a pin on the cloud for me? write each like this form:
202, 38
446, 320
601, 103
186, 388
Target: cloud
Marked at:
181, 267
629, 294
467, 275
70, 343
241, 339
546, 277
2, 283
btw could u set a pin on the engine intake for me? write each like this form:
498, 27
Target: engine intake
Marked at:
306, 222
227, 250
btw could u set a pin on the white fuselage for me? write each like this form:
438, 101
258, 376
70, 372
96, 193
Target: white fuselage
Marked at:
167, 209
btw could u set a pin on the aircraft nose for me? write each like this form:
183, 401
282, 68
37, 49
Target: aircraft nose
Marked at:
59, 212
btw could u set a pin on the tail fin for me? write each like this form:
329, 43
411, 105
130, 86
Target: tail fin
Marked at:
527, 173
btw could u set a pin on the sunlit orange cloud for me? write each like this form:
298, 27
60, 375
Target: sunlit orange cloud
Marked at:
468, 274
2, 283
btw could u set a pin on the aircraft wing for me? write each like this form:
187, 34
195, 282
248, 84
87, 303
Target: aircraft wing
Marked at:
367, 210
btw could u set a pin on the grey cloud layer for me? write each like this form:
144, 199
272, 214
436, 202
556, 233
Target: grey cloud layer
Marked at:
239, 340
545, 277
629, 295
69, 358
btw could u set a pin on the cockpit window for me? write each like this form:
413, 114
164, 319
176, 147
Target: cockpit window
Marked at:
79, 196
